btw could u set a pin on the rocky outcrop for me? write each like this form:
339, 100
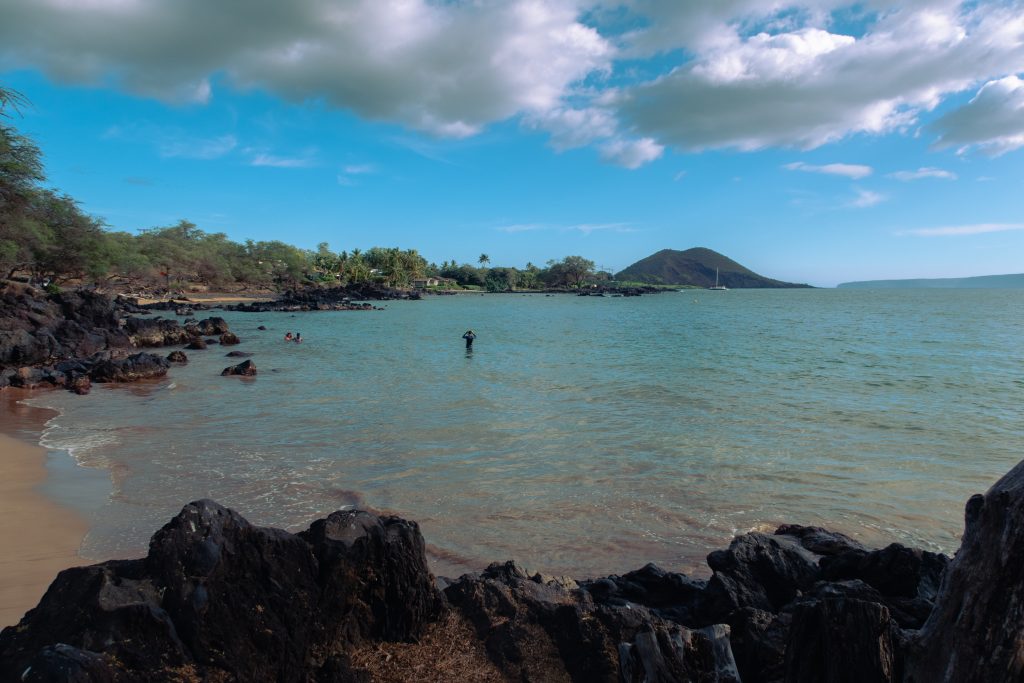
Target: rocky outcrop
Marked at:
219, 599
350, 298
130, 368
151, 332
974, 632
77, 337
541, 629
38, 329
209, 327
244, 369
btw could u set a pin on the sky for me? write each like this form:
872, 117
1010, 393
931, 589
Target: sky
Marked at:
819, 141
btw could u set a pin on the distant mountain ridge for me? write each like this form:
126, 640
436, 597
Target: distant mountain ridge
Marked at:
1015, 281
696, 267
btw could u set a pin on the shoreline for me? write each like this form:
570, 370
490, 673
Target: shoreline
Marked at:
39, 537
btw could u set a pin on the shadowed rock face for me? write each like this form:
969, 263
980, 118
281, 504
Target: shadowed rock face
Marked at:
217, 598
975, 630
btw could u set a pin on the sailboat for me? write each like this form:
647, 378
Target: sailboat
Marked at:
718, 287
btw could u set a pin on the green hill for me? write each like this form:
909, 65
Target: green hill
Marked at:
696, 267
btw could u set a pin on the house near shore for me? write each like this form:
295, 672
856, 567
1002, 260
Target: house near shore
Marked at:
425, 282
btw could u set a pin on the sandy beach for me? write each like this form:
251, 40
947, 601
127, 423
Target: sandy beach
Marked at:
38, 537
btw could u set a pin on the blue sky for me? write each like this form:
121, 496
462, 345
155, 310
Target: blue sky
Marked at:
817, 141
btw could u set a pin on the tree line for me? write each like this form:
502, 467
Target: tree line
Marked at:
45, 235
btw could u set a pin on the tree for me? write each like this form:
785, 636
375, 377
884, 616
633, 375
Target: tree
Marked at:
502, 279
484, 259
571, 271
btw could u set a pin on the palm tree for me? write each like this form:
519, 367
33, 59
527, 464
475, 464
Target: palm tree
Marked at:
484, 259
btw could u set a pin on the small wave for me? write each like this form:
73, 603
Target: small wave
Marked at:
79, 444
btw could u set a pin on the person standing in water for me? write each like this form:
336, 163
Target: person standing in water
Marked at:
298, 337
469, 337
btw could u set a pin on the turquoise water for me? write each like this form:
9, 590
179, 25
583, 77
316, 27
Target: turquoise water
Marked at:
582, 435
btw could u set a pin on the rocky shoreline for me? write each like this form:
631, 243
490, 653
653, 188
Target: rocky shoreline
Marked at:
72, 339
219, 599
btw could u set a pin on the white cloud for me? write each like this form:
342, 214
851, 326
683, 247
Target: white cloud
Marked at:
804, 86
921, 173
521, 227
588, 228
446, 68
992, 121
584, 228
855, 171
866, 198
960, 230
173, 143
740, 74
360, 169
262, 159
631, 153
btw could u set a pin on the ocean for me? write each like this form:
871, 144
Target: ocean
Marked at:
581, 435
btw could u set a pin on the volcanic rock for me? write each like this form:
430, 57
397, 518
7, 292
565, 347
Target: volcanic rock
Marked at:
149, 332
130, 369
245, 369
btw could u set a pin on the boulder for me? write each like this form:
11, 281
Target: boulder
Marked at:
238, 354
81, 385
843, 641
244, 369
150, 332
229, 338
196, 345
217, 598
130, 369
374, 570
537, 631
759, 571
177, 357
210, 327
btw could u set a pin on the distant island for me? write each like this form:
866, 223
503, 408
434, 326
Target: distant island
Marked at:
696, 267
980, 282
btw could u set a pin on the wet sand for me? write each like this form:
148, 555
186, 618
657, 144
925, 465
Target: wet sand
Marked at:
38, 537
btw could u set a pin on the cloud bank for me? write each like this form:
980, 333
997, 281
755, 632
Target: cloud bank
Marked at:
732, 74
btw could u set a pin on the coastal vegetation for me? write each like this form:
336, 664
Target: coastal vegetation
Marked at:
47, 237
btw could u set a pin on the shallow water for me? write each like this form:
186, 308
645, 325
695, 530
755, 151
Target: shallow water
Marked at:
582, 435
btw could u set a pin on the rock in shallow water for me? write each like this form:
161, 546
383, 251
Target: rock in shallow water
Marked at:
243, 369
